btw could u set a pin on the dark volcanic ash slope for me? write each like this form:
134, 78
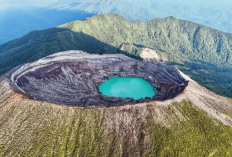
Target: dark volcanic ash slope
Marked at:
73, 77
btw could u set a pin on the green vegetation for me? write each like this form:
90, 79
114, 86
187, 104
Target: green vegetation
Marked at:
41, 130
209, 13
201, 52
198, 136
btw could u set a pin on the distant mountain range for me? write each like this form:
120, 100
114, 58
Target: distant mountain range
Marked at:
201, 52
16, 22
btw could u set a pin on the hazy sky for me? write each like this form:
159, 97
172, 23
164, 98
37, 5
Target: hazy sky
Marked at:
45, 3
39, 3
20, 3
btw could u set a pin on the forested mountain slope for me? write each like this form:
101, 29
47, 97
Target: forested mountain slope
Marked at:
214, 14
199, 51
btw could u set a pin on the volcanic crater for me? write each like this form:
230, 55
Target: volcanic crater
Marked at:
72, 78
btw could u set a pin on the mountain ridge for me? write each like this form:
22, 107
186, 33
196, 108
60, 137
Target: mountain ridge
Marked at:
197, 50
196, 122
28, 18
72, 78
210, 14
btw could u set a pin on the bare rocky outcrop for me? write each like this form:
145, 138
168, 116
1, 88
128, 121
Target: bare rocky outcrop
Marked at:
72, 78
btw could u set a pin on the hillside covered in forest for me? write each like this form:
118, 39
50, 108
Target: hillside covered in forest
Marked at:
201, 52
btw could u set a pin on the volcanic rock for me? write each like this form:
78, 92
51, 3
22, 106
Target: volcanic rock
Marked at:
72, 78
195, 118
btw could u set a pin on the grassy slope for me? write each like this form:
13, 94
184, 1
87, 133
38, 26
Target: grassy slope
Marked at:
16, 22
170, 35
209, 13
201, 52
32, 128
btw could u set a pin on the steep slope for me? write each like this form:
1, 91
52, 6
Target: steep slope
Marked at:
199, 51
195, 123
214, 14
72, 78
16, 22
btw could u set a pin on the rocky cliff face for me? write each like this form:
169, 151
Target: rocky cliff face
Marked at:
72, 78
183, 119
203, 53
196, 122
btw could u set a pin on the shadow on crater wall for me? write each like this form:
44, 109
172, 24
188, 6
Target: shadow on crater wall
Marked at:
72, 78
39, 44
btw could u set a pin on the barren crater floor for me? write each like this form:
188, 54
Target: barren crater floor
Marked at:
72, 78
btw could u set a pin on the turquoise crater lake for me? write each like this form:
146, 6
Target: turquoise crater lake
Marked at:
127, 87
